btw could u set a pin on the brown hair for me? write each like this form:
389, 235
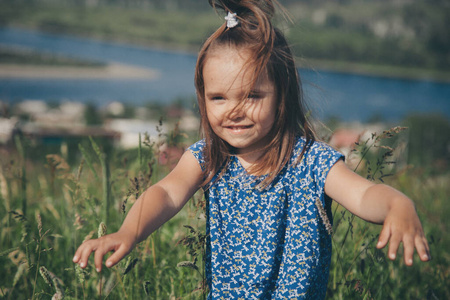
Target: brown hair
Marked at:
271, 54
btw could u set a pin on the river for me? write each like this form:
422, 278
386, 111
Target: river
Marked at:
348, 97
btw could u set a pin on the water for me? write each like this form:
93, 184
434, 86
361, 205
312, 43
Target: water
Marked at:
176, 71
345, 96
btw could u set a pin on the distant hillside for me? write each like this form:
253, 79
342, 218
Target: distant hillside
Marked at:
345, 34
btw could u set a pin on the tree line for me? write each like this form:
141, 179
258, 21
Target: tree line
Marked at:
404, 33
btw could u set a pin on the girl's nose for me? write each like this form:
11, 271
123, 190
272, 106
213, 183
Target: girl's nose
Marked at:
236, 111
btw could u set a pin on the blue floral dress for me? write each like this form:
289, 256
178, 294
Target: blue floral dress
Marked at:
271, 243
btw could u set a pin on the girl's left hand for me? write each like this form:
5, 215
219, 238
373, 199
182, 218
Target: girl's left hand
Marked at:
402, 225
380, 204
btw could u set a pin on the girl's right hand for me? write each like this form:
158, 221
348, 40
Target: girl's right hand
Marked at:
120, 243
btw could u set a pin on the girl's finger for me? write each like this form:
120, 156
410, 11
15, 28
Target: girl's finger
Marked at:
76, 256
408, 250
78, 253
422, 248
384, 237
85, 251
394, 243
117, 256
98, 257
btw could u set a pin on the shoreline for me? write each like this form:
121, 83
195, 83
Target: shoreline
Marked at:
110, 71
132, 72
381, 71
124, 72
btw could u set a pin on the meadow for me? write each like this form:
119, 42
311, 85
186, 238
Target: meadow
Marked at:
51, 203
52, 200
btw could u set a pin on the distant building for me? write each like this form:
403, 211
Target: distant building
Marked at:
31, 107
129, 130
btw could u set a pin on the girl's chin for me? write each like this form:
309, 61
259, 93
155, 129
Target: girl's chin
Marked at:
242, 149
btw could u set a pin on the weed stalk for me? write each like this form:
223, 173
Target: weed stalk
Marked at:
23, 175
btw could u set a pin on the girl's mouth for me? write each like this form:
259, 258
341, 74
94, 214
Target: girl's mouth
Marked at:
238, 128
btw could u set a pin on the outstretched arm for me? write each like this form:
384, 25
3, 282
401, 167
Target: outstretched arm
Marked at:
154, 207
381, 204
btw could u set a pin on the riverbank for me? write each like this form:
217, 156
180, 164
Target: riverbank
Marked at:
47, 70
22, 62
384, 71
109, 71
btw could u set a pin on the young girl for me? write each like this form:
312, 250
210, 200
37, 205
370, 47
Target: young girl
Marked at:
267, 181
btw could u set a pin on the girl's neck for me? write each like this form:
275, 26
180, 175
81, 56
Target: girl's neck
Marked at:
249, 160
246, 164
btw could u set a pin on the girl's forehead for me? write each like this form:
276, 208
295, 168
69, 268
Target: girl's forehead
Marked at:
232, 68
239, 59
230, 53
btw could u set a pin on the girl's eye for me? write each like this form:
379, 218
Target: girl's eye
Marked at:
216, 98
254, 96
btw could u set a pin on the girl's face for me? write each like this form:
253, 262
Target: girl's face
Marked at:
242, 123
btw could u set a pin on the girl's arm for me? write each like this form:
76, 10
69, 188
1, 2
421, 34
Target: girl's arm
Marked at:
381, 204
154, 207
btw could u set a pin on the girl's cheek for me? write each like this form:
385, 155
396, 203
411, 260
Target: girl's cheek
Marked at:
255, 112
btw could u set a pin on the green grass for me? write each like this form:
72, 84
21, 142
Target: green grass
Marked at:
65, 204
69, 203
359, 270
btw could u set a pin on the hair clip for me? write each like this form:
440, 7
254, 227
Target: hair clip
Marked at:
232, 21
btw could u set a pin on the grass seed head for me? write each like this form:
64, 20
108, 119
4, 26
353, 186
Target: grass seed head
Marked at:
101, 230
130, 265
79, 221
146, 285
39, 223
80, 273
46, 275
23, 269
89, 236
187, 264
324, 217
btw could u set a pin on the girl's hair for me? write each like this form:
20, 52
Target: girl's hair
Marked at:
270, 53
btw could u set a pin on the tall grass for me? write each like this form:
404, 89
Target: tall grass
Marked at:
68, 204
361, 271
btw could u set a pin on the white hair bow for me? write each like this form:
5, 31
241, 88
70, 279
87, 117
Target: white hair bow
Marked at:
232, 21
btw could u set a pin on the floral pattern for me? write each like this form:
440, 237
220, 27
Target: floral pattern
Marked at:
269, 243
